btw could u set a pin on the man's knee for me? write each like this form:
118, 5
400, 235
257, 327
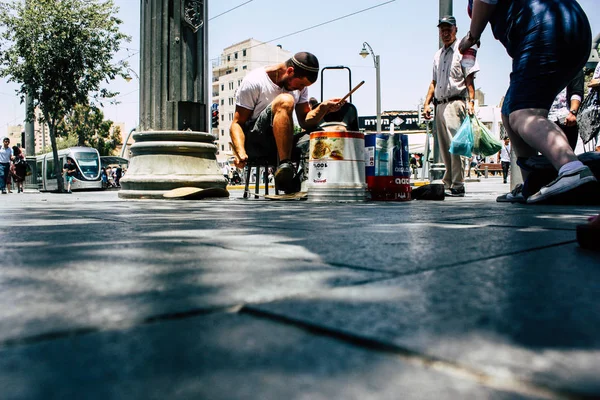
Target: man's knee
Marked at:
283, 102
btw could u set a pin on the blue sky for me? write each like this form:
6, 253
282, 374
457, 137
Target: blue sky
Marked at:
403, 33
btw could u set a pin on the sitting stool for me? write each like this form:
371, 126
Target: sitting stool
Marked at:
258, 162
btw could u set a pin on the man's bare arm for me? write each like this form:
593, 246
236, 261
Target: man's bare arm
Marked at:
238, 138
308, 118
428, 100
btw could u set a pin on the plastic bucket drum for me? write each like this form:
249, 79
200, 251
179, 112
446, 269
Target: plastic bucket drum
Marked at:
336, 166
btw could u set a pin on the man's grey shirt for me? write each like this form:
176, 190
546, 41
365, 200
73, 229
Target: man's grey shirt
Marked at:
448, 74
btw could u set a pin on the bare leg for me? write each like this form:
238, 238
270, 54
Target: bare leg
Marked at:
283, 125
534, 132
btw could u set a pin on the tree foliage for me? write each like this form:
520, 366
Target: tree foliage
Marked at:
60, 52
88, 125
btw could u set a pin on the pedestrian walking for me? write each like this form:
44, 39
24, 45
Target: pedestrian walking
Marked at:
452, 91
546, 56
6, 156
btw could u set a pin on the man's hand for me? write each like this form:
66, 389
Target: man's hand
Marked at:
471, 108
594, 83
427, 111
570, 120
240, 157
466, 43
333, 105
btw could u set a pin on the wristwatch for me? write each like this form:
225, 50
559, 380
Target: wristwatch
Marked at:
574, 112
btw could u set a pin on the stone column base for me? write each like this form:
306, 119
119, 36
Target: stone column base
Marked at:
166, 160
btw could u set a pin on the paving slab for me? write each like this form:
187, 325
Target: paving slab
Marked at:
534, 315
222, 356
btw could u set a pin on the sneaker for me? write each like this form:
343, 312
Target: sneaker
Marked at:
460, 192
515, 196
284, 175
563, 183
3, 191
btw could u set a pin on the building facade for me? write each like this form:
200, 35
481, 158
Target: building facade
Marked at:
227, 75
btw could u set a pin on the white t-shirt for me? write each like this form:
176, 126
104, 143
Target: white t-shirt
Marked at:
505, 153
257, 91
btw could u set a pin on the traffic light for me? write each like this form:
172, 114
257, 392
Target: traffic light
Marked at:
215, 118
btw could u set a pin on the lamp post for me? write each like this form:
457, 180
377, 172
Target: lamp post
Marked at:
364, 53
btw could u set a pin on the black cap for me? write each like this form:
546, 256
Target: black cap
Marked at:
306, 64
447, 19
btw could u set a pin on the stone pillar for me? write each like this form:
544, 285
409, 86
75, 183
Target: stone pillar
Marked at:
172, 147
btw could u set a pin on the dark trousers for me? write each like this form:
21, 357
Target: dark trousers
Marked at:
4, 175
505, 166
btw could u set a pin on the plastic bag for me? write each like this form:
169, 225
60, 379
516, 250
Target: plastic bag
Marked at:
588, 118
462, 143
484, 143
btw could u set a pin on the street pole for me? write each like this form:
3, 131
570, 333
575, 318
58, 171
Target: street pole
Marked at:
364, 53
378, 82
29, 128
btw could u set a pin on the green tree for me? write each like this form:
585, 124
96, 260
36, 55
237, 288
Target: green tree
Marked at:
87, 123
60, 52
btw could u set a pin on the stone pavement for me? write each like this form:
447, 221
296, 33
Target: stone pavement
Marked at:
103, 298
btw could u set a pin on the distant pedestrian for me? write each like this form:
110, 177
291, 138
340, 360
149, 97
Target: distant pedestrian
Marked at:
118, 175
549, 42
504, 158
6, 156
452, 91
70, 170
18, 168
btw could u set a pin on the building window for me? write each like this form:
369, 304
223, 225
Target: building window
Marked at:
244, 52
222, 147
222, 102
235, 55
231, 102
229, 58
236, 69
223, 86
222, 132
222, 117
231, 85
244, 66
231, 116
239, 82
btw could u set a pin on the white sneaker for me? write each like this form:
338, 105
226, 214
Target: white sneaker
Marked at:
563, 183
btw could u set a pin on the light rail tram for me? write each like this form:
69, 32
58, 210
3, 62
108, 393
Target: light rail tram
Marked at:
87, 161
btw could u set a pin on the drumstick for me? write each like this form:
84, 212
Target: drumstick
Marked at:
352, 91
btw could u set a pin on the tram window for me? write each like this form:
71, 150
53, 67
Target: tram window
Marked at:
50, 174
39, 171
89, 164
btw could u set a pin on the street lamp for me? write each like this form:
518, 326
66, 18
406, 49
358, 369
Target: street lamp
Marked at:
364, 53
128, 77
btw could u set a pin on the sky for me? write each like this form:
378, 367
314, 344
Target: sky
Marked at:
403, 33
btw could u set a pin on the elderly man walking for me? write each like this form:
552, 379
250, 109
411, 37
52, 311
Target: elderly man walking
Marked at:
6, 155
452, 91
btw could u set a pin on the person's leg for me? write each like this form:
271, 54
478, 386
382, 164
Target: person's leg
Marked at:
505, 165
283, 124
454, 115
3, 172
444, 139
535, 130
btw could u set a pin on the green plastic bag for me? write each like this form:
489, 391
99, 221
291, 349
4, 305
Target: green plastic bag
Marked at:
462, 143
484, 143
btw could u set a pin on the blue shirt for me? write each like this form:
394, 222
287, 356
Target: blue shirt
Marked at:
5, 154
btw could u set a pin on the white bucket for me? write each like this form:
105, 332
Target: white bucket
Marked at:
336, 166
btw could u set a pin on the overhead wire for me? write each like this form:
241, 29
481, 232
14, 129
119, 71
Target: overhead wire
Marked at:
318, 25
234, 8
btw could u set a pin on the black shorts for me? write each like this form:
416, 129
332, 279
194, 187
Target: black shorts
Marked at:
259, 141
549, 41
